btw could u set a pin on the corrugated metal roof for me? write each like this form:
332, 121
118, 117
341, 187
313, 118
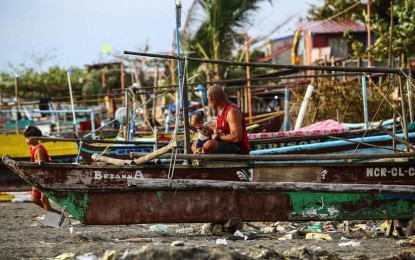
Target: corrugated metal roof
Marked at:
331, 26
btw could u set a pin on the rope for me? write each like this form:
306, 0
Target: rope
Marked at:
408, 77
377, 111
172, 164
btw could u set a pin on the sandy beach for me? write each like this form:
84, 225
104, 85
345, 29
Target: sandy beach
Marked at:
24, 236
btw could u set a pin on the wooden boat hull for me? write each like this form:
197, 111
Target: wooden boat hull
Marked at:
363, 172
84, 176
198, 201
95, 195
396, 173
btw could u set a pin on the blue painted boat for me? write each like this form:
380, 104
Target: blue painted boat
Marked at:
371, 144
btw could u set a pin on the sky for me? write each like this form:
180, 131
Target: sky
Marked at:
73, 33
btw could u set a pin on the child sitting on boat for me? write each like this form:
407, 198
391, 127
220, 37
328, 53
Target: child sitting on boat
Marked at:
204, 130
38, 153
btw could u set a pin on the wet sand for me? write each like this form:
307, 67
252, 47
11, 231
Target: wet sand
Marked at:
24, 236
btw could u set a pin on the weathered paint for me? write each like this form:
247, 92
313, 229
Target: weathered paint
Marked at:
76, 203
340, 206
178, 206
160, 195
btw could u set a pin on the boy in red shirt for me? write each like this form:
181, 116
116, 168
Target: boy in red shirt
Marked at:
38, 153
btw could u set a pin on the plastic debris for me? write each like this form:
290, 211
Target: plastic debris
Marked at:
350, 243
221, 241
286, 237
65, 256
159, 228
313, 228
53, 219
238, 234
88, 256
318, 236
177, 243
251, 236
185, 230
269, 229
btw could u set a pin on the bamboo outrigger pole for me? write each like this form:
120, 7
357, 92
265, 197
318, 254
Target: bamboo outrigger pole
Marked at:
270, 65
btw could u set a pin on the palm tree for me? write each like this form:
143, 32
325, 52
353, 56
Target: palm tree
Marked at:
219, 31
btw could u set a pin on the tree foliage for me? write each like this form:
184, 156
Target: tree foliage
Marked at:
220, 31
402, 40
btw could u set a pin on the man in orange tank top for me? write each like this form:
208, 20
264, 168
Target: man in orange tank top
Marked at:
38, 153
231, 136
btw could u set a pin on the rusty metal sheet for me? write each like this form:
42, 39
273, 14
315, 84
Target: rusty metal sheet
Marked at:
184, 207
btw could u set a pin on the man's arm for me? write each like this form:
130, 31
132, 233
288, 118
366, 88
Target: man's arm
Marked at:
234, 119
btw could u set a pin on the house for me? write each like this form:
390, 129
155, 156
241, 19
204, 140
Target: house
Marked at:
324, 40
278, 50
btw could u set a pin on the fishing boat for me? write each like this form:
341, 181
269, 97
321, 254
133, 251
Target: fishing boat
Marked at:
153, 200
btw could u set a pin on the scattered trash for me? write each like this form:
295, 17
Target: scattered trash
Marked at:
268, 229
177, 243
65, 256
318, 236
238, 234
251, 236
350, 243
88, 256
53, 219
313, 228
185, 230
159, 228
403, 243
286, 237
109, 254
221, 241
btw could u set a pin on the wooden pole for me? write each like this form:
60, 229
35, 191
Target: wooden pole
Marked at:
185, 111
304, 106
390, 52
248, 76
156, 153
410, 94
16, 93
369, 36
122, 74
153, 110
404, 116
